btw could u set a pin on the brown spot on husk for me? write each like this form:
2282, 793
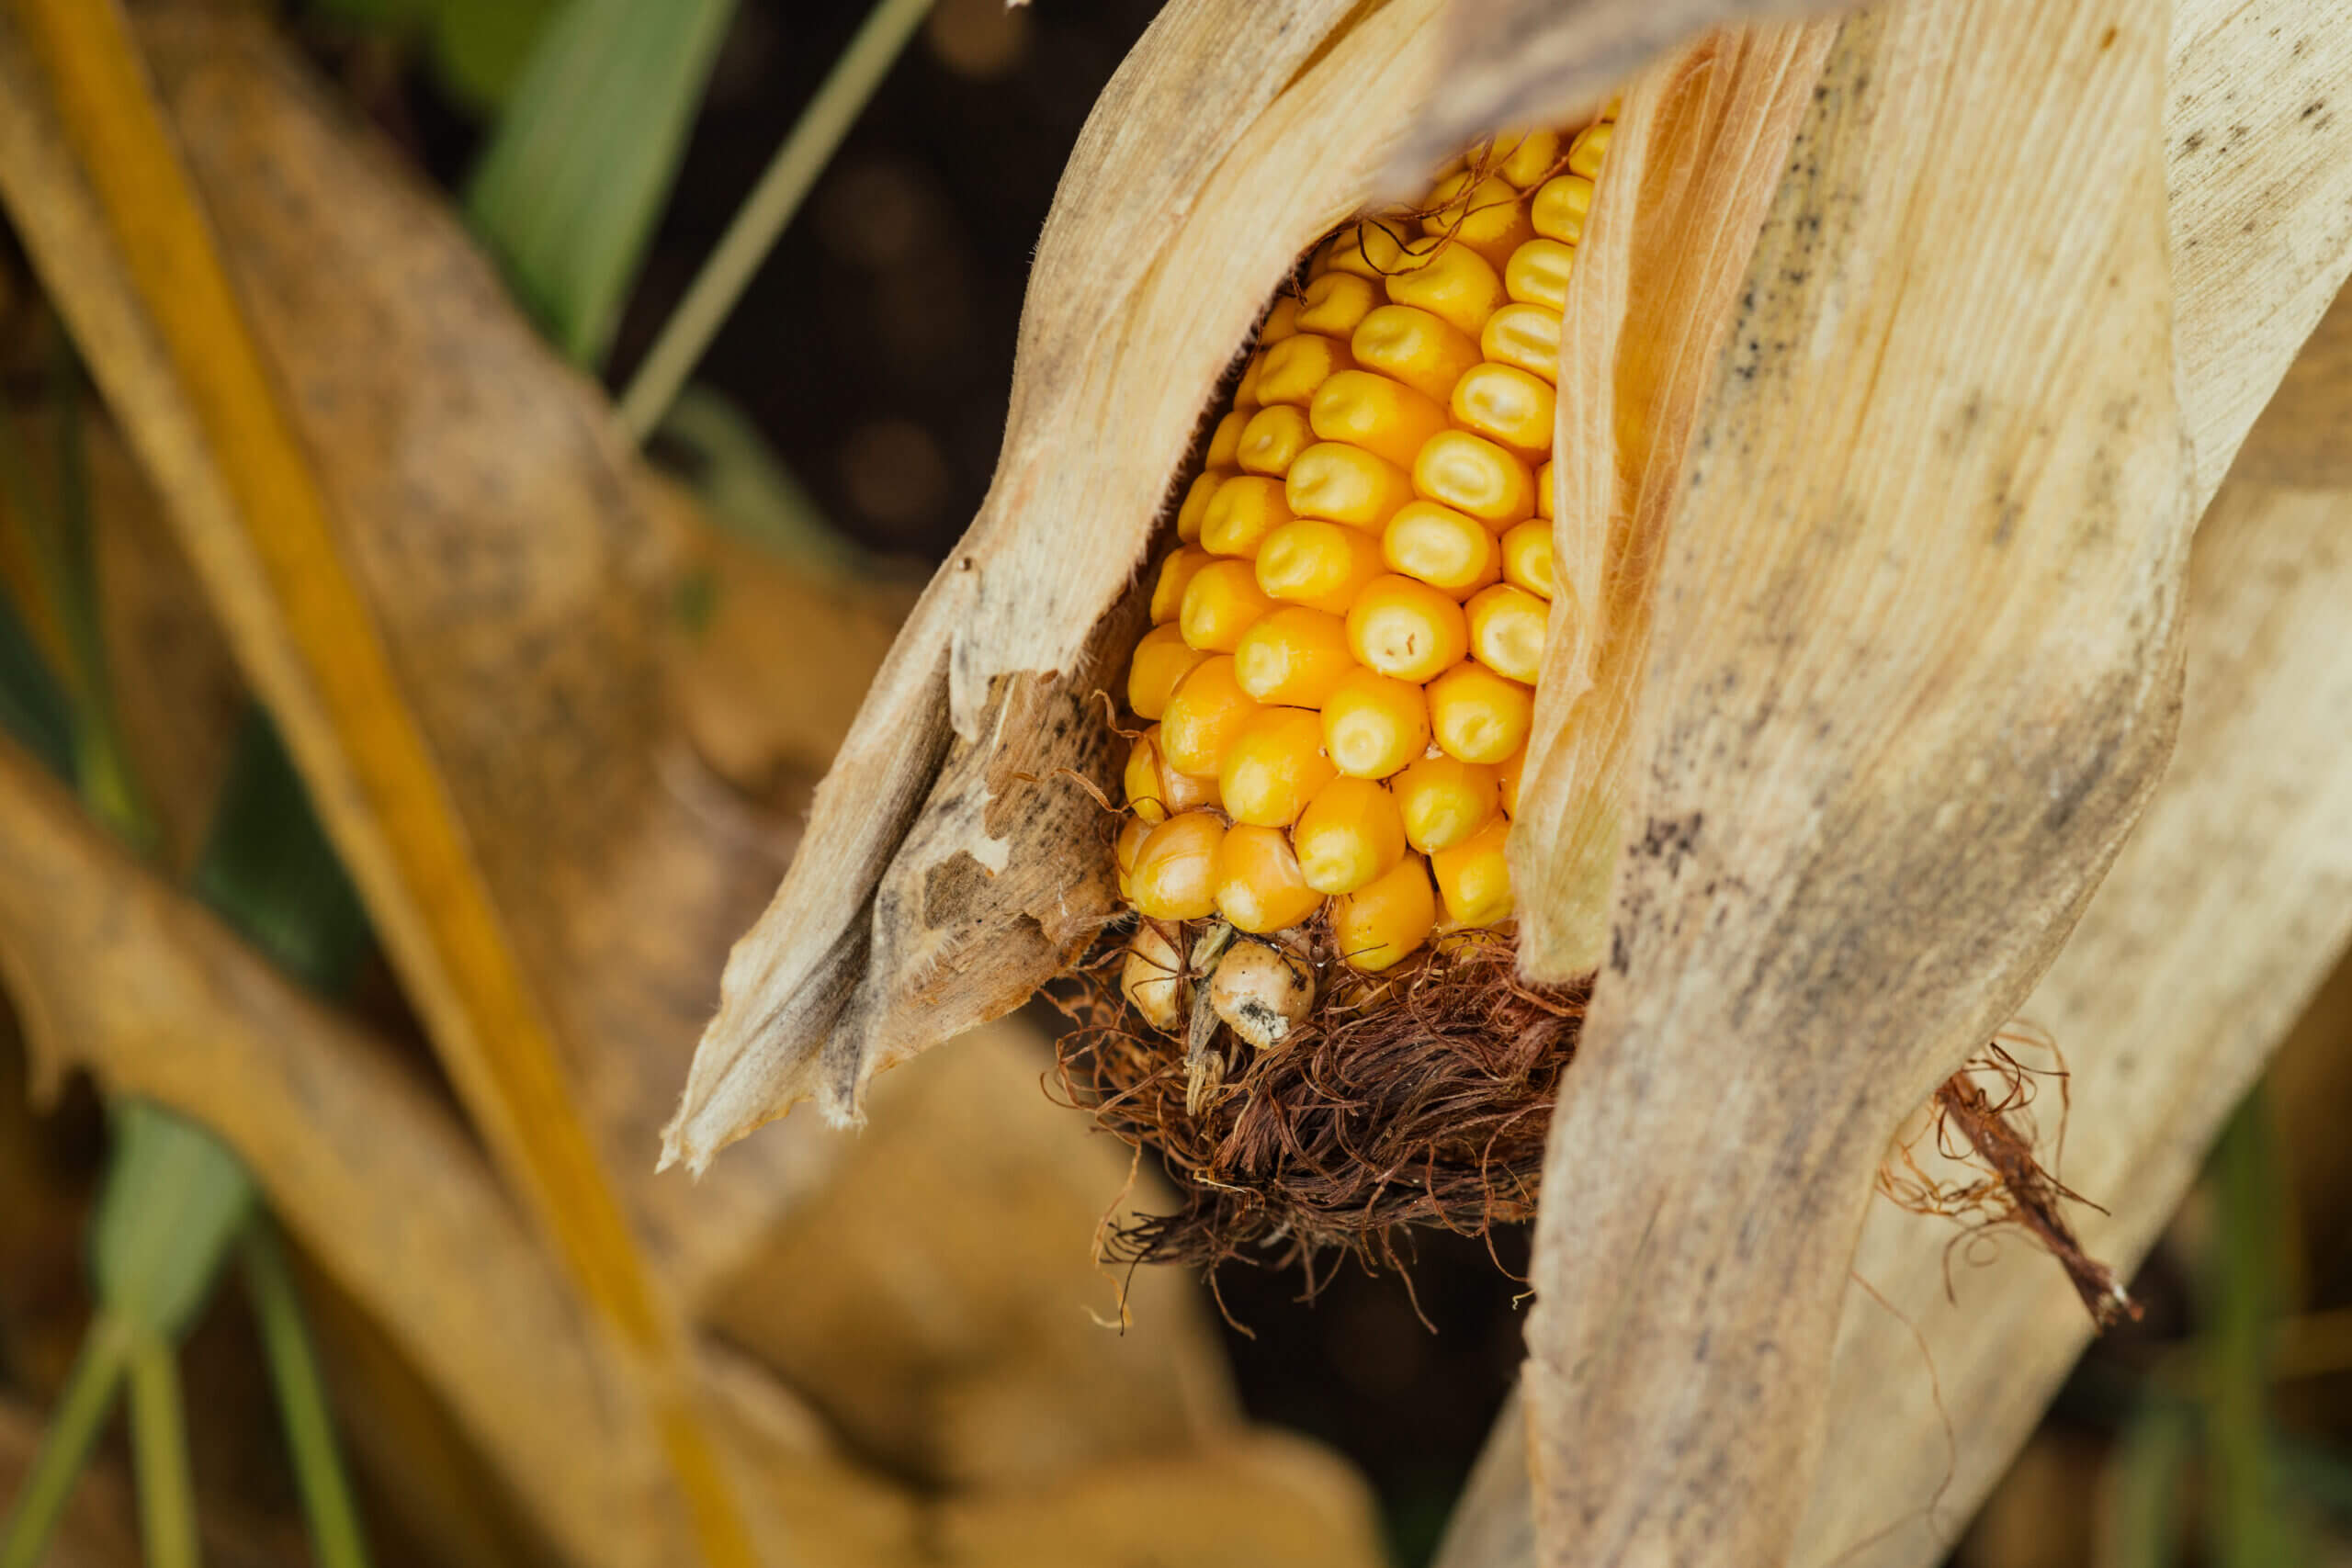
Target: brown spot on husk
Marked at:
1419, 1097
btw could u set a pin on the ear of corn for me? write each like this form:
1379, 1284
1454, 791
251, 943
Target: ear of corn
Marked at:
1347, 637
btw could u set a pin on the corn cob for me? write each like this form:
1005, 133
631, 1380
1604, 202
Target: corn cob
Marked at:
1339, 677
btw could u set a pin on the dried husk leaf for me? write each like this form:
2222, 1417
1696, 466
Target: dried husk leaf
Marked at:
111, 971
1692, 166
1540, 61
1914, 667
935, 887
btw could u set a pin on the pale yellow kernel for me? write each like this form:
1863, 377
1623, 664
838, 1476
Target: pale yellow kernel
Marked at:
1387, 920
1472, 474
1318, 564
1245, 509
1458, 285
1538, 273
1123, 850
1176, 569
1405, 629
1281, 321
1175, 871
1272, 766
1415, 347
1373, 726
1348, 836
1527, 557
1508, 406
1208, 709
1272, 439
1195, 510
1340, 483
1489, 216
1527, 336
1225, 441
1258, 887
1474, 877
1298, 365
1147, 796
1162, 660
1475, 715
1526, 160
1452, 553
1506, 631
1221, 603
1296, 657
1561, 207
1336, 303
1586, 151
1386, 418
1444, 800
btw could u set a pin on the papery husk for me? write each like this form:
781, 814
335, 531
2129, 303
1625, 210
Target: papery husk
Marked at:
936, 885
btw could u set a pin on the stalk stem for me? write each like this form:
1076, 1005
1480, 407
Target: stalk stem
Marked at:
73, 1428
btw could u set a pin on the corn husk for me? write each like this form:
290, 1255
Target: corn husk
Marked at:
1879, 665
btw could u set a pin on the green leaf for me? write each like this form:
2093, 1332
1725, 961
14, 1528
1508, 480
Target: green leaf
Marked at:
33, 710
173, 1200
269, 868
480, 46
580, 165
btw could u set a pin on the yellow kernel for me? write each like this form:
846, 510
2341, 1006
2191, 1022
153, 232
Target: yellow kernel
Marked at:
1295, 657
1378, 248
1458, 285
1444, 800
1186, 791
1561, 207
1386, 418
1527, 336
1373, 726
1543, 492
1384, 923
1196, 509
1405, 629
1348, 836
1146, 797
1340, 483
1472, 474
1273, 766
1220, 603
1508, 777
1474, 877
1296, 365
1225, 441
1258, 887
1527, 557
1336, 303
1245, 509
1506, 631
1176, 569
1489, 216
1505, 405
1281, 321
1538, 273
1529, 159
1439, 545
1123, 850
1273, 438
1586, 151
1478, 716
1320, 564
1415, 347
1208, 711
1245, 394
1161, 660
1175, 873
